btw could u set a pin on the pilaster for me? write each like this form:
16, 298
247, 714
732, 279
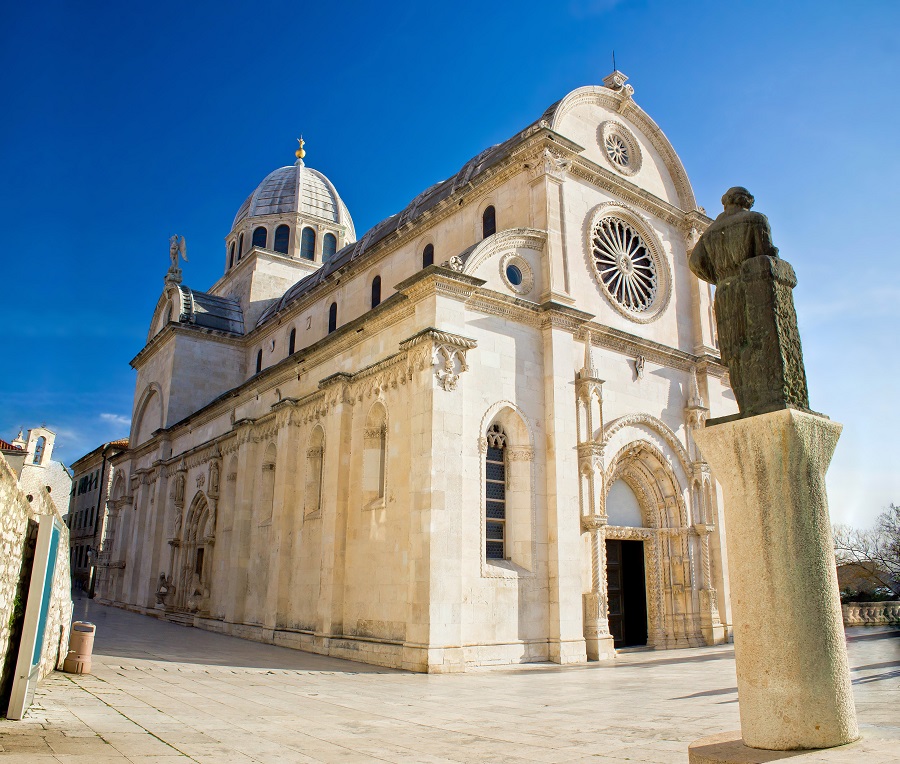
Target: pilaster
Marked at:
567, 643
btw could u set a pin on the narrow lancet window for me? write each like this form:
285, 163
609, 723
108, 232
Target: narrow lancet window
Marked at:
308, 244
495, 494
428, 255
329, 246
332, 317
489, 222
376, 291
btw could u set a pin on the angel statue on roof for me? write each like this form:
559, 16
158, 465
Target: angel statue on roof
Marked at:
176, 247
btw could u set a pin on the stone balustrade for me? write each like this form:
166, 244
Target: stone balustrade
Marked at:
871, 613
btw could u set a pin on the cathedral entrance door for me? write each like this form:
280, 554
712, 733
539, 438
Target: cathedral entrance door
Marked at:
626, 592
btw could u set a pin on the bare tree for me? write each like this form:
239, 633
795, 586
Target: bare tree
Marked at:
876, 552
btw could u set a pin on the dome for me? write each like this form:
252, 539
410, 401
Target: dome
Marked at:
297, 188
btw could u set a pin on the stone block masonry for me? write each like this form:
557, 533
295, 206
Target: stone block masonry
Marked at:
16, 514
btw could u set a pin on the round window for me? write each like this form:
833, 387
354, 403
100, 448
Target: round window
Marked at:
624, 265
620, 147
617, 150
513, 275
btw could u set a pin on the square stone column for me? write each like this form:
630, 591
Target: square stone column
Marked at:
790, 652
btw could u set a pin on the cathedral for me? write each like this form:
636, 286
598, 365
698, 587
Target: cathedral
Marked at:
463, 438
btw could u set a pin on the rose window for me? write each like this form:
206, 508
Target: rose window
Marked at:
617, 150
624, 265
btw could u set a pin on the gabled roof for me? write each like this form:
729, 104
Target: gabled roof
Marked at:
4, 446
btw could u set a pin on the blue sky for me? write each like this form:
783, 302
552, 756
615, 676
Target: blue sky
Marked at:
125, 123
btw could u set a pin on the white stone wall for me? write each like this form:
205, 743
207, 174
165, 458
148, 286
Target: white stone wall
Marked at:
401, 579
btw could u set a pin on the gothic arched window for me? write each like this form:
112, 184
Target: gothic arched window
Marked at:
376, 291
428, 255
308, 243
292, 342
240, 247
489, 222
282, 239
260, 235
329, 246
332, 317
495, 494
258, 361
39, 450
231, 256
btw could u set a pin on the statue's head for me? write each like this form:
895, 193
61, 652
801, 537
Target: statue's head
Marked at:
738, 195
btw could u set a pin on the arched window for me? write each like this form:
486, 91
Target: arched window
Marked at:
39, 450
258, 361
374, 457
308, 243
240, 247
315, 459
489, 222
267, 486
376, 291
231, 256
329, 246
292, 342
332, 317
259, 237
282, 239
495, 494
428, 255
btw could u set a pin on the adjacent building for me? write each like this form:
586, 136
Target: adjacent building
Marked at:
30, 458
93, 475
464, 438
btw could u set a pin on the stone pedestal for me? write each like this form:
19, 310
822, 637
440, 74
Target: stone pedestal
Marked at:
791, 658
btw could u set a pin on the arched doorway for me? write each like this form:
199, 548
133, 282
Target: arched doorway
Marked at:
625, 570
648, 533
196, 558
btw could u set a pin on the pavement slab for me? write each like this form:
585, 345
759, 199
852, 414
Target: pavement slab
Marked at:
161, 693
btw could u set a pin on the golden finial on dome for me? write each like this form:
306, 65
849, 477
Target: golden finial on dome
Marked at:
300, 153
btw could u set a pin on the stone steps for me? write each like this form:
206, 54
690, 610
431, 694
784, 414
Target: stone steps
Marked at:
182, 619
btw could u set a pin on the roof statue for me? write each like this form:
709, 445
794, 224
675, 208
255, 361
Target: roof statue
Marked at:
300, 153
176, 247
755, 317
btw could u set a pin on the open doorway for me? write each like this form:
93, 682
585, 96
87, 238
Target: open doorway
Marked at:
626, 592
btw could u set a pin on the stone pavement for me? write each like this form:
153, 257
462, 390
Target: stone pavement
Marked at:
161, 694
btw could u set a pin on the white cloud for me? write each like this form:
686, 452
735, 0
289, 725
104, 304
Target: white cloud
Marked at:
116, 419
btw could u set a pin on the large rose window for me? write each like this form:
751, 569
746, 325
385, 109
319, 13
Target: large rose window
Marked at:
624, 265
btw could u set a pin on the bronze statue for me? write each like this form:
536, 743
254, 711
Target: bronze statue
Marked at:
755, 316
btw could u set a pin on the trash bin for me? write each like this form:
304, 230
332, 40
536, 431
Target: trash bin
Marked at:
81, 645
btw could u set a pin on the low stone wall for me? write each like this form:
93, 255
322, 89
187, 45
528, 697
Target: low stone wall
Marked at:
15, 512
871, 613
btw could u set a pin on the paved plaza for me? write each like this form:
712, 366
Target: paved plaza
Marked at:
162, 693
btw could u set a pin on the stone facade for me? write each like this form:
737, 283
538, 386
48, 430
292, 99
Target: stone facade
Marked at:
16, 512
408, 463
